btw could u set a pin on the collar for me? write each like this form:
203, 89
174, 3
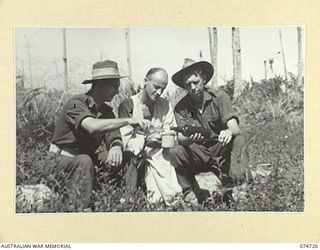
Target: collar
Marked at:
208, 95
210, 91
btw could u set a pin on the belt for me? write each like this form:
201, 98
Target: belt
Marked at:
66, 152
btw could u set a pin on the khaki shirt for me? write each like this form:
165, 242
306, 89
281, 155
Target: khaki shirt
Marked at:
217, 111
69, 134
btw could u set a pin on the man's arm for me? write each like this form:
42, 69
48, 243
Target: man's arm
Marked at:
233, 129
194, 138
95, 126
79, 115
233, 126
228, 117
182, 118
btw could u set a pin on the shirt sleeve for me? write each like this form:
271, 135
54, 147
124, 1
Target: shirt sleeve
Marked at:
225, 108
76, 111
113, 137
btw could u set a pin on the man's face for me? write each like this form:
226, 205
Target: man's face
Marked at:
155, 85
194, 83
109, 89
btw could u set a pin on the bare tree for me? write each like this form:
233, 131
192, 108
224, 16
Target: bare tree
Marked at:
265, 70
65, 61
283, 55
29, 61
236, 55
127, 36
271, 61
300, 63
215, 55
213, 44
210, 43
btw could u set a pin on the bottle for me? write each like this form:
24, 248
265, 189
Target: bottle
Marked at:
188, 130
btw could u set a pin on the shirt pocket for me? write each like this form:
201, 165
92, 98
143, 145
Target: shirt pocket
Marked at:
186, 118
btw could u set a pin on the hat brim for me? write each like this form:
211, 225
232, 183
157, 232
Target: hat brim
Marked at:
105, 77
177, 78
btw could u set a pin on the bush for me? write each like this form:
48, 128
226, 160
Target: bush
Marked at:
270, 101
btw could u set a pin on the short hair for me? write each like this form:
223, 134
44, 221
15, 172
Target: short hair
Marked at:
153, 71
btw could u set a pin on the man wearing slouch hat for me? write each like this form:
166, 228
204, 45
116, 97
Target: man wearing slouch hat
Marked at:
87, 132
211, 109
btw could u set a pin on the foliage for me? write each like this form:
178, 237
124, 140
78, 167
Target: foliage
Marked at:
37, 110
280, 147
275, 100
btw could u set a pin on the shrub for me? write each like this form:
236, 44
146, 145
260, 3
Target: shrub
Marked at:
268, 102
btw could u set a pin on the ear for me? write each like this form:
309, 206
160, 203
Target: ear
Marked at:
145, 81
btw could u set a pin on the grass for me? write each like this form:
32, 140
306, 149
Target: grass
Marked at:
279, 144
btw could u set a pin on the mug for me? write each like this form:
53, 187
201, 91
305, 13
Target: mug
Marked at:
168, 139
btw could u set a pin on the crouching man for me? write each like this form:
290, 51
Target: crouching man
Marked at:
85, 123
203, 107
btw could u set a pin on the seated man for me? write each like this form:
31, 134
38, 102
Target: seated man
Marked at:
160, 177
203, 107
84, 123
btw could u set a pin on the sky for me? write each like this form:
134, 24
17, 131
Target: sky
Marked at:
39, 52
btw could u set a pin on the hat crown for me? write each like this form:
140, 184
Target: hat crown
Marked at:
105, 64
107, 69
188, 62
190, 65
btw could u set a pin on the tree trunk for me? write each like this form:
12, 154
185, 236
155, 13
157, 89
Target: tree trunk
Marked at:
23, 74
265, 70
65, 62
213, 40
236, 55
210, 43
29, 60
127, 36
300, 63
283, 56
215, 56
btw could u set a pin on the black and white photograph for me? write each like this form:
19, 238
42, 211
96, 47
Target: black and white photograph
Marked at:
158, 119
